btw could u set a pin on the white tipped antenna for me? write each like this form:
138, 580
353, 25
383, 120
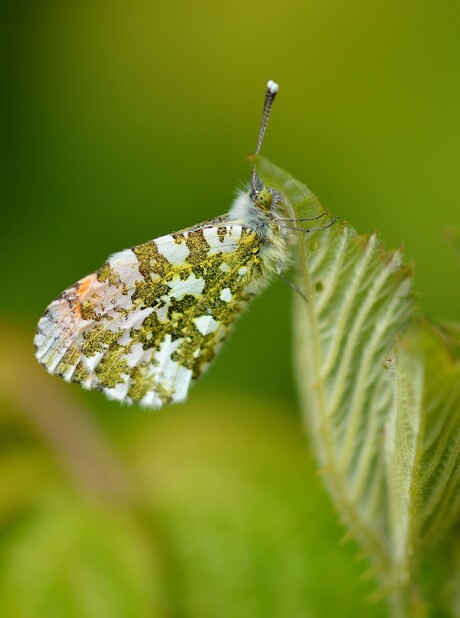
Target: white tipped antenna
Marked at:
270, 94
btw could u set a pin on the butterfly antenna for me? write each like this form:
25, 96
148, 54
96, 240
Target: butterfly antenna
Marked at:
270, 94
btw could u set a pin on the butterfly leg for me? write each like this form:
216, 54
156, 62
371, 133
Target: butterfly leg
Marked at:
312, 229
293, 286
294, 220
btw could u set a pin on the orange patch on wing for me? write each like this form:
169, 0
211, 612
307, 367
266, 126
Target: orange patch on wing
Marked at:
83, 287
85, 284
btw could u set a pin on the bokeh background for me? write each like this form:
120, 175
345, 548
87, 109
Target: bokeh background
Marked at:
125, 121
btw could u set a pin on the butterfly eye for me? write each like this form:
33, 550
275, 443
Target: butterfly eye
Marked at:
263, 199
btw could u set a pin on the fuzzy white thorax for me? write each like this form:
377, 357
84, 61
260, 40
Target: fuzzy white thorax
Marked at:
241, 207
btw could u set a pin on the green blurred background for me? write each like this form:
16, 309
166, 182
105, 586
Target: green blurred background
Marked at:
123, 122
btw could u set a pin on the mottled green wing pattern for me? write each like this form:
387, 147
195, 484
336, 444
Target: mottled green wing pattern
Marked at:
152, 318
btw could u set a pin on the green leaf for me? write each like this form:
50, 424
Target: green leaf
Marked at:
422, 448
380, 392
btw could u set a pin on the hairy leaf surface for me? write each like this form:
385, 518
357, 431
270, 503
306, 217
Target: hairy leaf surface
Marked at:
380, 392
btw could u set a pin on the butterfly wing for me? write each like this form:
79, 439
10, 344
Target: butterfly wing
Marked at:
153, 317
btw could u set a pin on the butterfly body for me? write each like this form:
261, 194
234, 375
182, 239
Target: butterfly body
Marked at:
150, 321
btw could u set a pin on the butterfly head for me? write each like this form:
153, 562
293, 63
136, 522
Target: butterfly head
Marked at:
263, 199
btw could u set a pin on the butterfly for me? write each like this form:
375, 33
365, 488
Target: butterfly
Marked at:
152, 318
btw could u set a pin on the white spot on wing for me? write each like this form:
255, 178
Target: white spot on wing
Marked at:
191, 285
206, 324
121, 258
137, 355
69, 373
125, 264
162, 312
235, 232
228, 246
151, 400
174, 252
170, 375
165, 365
119, 391
210, 235
91, 362
134, 319
215, 244
182, 383
226, 295
125, 338
90, 381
